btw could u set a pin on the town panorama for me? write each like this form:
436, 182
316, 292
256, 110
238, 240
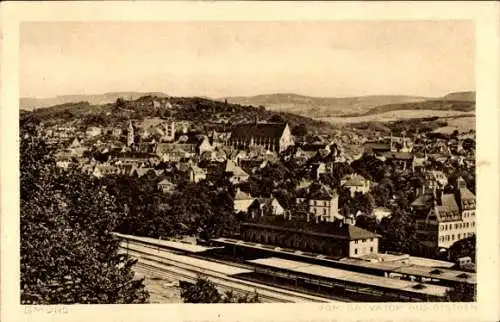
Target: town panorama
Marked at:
163, 199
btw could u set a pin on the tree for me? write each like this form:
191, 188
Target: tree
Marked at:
469, 144
398, 232
120, 103
299, 130
463, 247
68, 254
204, 291
230, 297
277, 119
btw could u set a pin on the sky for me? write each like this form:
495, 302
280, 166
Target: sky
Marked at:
221, 59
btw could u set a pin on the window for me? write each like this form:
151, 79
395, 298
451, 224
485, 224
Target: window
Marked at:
314, 202
364, 240
355, 241
355, 251
456, 226
371, 249
453, 237
324, 211
473, 224
467, 225
458, 236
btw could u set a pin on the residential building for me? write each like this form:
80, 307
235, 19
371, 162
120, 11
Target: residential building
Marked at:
242, 201
322, 204
401, 160
452, 217
196, 174
93, 131
166, 186
356, 183
266, 207
237, 175
380, 213
205, 146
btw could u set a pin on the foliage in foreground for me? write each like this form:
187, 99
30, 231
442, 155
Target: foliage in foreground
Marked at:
67, 252
204, 291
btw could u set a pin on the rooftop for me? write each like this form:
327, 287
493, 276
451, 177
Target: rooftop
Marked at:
326, 229
354, 180
272, 131
241, 195
349, 276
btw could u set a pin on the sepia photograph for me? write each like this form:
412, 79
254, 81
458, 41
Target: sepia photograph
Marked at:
187, 161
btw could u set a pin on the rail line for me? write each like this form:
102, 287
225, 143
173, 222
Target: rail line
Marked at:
162, 263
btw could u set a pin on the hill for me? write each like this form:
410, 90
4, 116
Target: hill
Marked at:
200, 111
317, 107
29, 103
429, 105
461, 96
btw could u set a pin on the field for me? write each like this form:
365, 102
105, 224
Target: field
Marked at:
462, 124
396, 115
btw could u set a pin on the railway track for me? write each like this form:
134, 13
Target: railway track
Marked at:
161, 263
186, 277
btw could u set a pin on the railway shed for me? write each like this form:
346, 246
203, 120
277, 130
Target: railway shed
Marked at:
348, 283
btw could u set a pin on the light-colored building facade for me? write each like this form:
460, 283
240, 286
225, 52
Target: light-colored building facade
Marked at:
196, 174
356, 183
323, 205
363, 246
451, 218
242, 201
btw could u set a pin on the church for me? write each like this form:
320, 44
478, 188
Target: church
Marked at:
275, 137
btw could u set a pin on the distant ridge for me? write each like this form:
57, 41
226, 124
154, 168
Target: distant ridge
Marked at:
29, 103
461, 96
458, 101
322, 106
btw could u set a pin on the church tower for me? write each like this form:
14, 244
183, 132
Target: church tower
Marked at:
130, 134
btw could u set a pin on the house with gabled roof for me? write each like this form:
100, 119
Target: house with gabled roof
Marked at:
166, 186
196, 174
323, 204
356, 183
451, 217
237, 175
242, 201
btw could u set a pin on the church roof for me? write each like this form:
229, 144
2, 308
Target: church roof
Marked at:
272, 131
